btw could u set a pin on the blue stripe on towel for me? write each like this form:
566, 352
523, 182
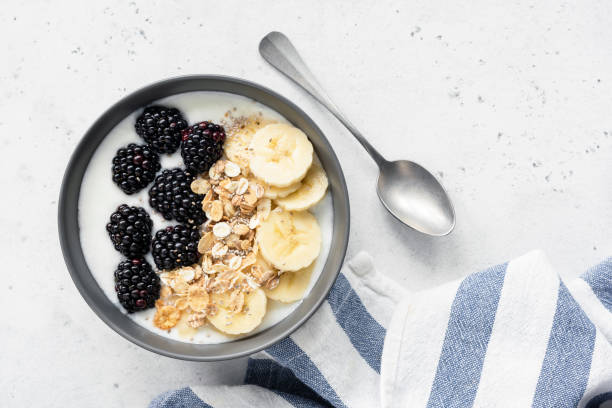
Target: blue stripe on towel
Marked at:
269, 374
599, 279
290, 355
467, 337
567, 363
365, 333
300, 402
181, 398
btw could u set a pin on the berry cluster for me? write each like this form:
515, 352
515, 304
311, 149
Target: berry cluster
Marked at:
136, 284
129, 229
135, 166
202, 146
175, 246
172, 196
161, 128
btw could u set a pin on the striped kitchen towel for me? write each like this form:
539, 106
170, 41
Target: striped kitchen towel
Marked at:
514, 335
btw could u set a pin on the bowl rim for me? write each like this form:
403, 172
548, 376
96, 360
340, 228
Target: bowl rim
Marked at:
68, 226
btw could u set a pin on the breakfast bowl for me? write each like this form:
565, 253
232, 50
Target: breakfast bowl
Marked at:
84, 176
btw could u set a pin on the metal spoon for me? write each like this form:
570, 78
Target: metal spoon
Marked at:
410, 192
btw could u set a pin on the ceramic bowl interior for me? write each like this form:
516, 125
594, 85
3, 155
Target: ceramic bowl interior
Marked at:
113, 316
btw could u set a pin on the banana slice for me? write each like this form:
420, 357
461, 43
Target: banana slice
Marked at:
291, 285
312, 191
289, 240
236, 315
237, 150
237, 144
281, 154
273, 192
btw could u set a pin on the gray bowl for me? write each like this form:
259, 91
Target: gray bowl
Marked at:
113, 316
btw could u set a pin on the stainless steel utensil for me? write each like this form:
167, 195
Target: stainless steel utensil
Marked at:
410, 192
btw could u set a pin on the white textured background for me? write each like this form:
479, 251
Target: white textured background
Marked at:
510, 103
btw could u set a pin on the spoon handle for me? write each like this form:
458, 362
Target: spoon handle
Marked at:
282, 55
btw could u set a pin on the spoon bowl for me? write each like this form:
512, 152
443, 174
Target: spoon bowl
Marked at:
415, 197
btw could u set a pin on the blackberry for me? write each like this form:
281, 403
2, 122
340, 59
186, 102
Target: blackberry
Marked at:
202, 146
130, 230
175, 246
161, 128
134, 167
172, 196
136, 284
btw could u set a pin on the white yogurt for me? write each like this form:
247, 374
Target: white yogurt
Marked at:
99, 197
